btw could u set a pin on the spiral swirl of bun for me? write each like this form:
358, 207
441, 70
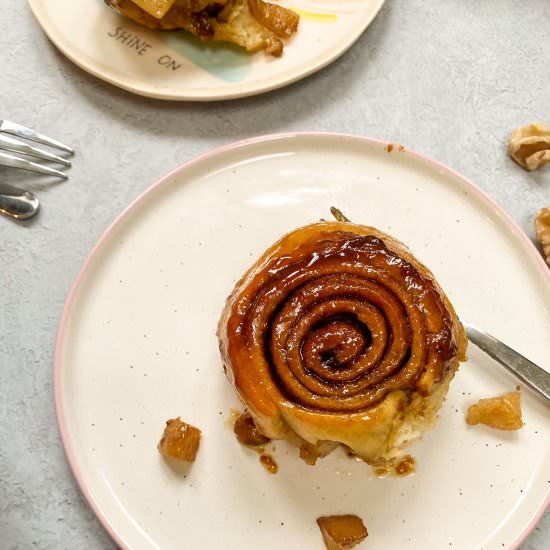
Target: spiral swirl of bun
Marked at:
338, 322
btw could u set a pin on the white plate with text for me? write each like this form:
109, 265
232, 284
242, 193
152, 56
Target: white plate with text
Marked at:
173, 65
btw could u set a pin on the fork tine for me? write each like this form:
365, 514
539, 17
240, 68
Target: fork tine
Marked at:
22, 131
17, 162
17, 146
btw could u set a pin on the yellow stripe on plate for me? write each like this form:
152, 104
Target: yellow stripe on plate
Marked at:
317, 17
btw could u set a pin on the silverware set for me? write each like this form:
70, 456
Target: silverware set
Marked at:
17, 152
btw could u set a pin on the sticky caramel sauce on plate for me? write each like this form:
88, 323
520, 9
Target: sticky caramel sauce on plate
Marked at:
268, 462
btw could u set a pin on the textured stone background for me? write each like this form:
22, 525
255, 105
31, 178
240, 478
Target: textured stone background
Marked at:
448, 78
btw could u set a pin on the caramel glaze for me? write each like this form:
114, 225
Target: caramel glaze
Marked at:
339, 320
268, 462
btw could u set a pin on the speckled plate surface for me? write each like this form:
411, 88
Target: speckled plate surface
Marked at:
137, 346
173, 65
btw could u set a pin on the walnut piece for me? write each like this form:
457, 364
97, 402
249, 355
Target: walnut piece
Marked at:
180, 440
342, 532
542, 228
530, 146
501, 413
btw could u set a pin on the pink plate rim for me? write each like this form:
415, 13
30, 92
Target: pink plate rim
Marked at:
60, 339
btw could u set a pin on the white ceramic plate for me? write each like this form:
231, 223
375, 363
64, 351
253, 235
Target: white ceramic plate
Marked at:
173, 65
137, 346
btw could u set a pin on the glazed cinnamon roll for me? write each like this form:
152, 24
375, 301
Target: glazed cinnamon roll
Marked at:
338, 335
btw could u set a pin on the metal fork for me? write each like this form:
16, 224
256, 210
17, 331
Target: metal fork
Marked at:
16, 148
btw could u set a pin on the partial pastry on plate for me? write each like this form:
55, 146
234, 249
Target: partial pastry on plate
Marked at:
542, 230
338, 335
253, 24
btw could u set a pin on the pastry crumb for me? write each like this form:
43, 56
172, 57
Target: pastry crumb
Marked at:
501, 413
405, 466
342, 532
399, 467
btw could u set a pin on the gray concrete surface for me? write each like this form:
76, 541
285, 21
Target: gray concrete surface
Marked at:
448, 78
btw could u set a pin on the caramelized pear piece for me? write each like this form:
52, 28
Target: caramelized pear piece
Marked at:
342, 532
156, 8
247, 433
310, 453
180, 440
281, 21
501, 413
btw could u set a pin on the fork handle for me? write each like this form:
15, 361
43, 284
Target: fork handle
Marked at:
535, 377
